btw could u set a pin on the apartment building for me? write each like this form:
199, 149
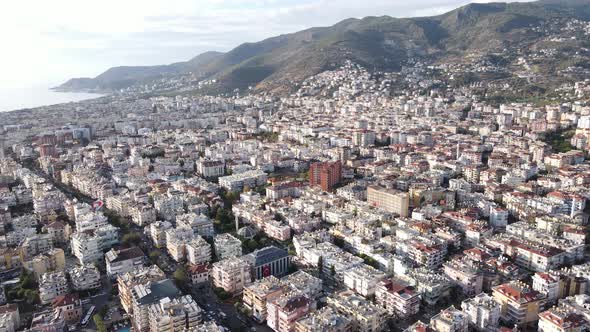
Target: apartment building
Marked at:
326, 319
85, 277
257, 294
364, 315
397, 298
210, 168
450, 320
52, 285
48, 320
483, 312
231, 274
237, 182
176, 240
123, 260
305, 283
142, 214
325, 175
52, 260
199, 274
199, 224
227, 246
174, 315
35, 244
427, 254
89, 246
198, 251
69, 307
519, 304
285, 310
431, 286
558, 284
157, 232
9, 318
559, 319
139, 276
282, 190
363, 279
60, 232
466, 276
145, 295
389, 200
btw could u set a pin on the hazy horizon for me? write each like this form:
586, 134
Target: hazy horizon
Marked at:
58, 40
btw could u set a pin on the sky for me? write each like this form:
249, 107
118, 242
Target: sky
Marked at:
48, 42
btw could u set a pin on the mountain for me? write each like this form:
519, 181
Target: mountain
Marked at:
383, 43
125, 76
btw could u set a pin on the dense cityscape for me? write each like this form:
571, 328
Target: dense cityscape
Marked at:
363, 201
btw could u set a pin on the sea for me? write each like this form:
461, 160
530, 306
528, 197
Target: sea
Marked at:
41, 95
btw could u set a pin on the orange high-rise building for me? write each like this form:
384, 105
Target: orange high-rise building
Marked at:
325, 174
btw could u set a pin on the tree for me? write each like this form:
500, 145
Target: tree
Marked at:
221, 293
338, 241
154, 256
332, 270
25, 289
99, 323
103, 311
131, 239
252, 245
320, 264
180, 276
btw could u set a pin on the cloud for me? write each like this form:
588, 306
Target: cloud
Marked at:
62, 38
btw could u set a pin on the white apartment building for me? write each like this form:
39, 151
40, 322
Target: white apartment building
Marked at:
145, 295
90, 221
174, 315
85, 277
52, 285
305, 283
198, 251
325, 319
548, 284
210, 168
237, 182
231, 274
9, 318
199, 224
498, 217
227, 246
122, 261
450, 320
157, 232
363, 279
467, 277
364, 315
483, 312
88, 246
176, 240
168, 206
143, 215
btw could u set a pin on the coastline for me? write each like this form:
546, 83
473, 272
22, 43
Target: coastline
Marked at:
15, 99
